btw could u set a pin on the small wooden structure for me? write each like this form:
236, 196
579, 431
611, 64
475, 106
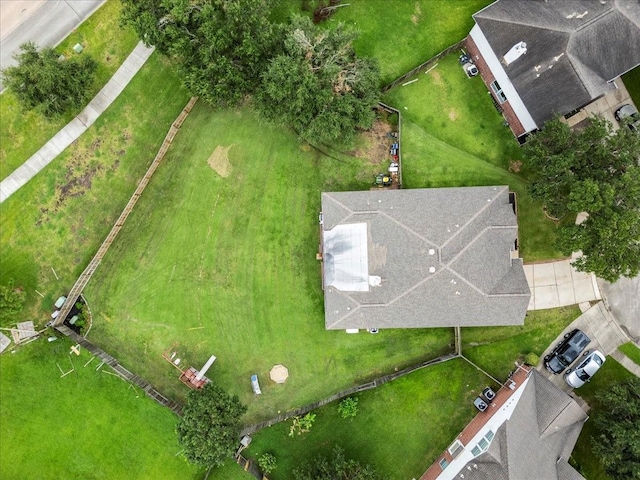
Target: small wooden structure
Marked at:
23, 332
196, 379
279, 373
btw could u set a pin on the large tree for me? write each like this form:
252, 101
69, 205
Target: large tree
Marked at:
210, 424
44, 81
318, 86
594, 170
220, 46
335, 467
618, 421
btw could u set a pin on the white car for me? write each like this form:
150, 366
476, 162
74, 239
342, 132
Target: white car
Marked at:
587, 368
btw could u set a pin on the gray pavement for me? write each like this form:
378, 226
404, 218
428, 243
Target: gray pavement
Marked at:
623, 299
45, 23
78, 125
604, 332
558, 284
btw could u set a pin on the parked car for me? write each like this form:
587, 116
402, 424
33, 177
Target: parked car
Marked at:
585, 370
566, 351
629, 115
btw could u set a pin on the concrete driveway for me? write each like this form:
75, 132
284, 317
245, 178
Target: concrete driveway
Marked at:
558, 284
605, 334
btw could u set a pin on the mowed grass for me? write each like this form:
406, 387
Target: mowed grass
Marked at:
453, 137
58, 220
89, 424
402, 34
587, 463
24, 132
632, 82
632, 351
226, 266
401, 427
496, 349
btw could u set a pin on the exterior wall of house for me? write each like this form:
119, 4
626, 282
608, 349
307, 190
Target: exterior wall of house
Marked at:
514, 111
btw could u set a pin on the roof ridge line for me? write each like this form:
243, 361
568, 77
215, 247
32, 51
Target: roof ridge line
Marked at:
344, 316
330, 197
477, 214
397, 222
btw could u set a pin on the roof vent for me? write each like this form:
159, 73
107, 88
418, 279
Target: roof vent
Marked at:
516, 51
432, 269
375, 280
432, 251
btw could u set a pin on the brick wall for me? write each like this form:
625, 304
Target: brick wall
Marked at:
487, 76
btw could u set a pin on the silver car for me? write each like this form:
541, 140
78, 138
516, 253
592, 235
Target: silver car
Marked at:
587, 368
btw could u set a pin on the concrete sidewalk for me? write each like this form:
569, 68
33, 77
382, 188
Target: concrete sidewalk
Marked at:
78, 125
558, 284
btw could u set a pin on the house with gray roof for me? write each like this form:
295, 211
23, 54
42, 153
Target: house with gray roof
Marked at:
436, 257
527, 433
545, 58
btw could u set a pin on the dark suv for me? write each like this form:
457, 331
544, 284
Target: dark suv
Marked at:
566, 351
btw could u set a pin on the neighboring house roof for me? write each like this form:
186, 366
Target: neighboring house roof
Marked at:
574, 48
533, 442
441, 256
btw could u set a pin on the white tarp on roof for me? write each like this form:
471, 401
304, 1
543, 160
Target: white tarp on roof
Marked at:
345, 259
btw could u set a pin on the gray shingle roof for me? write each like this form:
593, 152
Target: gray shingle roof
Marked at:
536, 442
574, 48
443, 255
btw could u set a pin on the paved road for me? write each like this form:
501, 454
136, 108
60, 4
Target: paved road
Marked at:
46, 23
623, 298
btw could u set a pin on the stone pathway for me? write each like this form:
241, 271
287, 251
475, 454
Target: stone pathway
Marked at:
78, 125
558, 284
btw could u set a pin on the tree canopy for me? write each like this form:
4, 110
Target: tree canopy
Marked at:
336, 466
618, 444
210, 424
318, 86
219, 46
594, 170
44, 81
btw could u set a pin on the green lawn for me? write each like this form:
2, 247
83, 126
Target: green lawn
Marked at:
401, 427
61, 216
405, 33
227, 266
632, 82
583, 458
88, 424
23, 133
453, 136
632, 351
495, 349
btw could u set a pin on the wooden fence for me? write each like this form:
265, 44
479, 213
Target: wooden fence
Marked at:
424, 66
345, 393
119, 369
88, 272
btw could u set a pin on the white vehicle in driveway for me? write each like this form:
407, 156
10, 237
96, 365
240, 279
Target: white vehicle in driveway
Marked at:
577, 377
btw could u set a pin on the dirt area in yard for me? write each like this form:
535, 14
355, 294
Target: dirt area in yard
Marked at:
453, 114
376, 148
437, 78
219, 160
416, 14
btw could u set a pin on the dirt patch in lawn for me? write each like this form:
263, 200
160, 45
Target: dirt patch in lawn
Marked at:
453, 114
415, 18
437, 78
219, 160
376, 143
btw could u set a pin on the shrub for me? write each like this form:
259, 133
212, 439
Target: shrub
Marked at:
348, 408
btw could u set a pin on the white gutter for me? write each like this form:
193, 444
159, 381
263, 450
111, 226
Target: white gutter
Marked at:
503, 79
